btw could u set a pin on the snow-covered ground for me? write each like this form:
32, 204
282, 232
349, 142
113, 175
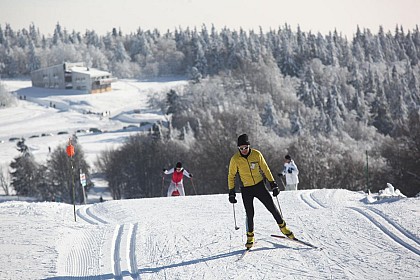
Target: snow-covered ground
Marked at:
362, 237
194, 237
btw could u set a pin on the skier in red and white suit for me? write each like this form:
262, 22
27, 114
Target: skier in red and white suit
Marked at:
176, 188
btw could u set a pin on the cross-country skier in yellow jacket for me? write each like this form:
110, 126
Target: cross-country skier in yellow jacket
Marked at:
251, 167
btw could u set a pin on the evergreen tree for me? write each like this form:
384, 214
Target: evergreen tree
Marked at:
58, 34
34, 61
174, 102
24, 170
380, 112
268, 117
308, 89
2, 39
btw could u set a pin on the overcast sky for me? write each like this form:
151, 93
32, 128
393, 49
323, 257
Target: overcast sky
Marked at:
128, 15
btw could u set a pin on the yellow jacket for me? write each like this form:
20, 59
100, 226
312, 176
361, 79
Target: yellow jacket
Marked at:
248, 169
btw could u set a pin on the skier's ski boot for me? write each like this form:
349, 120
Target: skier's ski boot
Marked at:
286, 231
249, 240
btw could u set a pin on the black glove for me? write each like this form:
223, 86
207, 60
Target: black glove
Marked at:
164, 169
290, 170
232, 196
275, 188
190, 175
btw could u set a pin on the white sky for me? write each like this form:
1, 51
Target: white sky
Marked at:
311, 15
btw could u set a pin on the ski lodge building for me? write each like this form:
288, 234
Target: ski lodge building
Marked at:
72, 76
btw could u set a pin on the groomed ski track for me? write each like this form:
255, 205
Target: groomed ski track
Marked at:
107, 251
194, 238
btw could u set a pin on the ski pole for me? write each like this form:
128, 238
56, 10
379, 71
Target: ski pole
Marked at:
163, 184
278, 203
192, 182
234, 216
284, 186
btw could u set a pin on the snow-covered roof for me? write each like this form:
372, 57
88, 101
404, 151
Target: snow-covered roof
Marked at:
93, 72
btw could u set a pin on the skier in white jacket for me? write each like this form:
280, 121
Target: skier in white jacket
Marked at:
291, 172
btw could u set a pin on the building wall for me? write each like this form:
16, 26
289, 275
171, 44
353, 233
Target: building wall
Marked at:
51, 77
81, 81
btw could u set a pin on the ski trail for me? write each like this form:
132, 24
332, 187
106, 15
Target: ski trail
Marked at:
95, 217
397, 226
123, 258
317, 201
86, 214
115, 252
304, 198
385, 226
131, 252
307, 198
81, 212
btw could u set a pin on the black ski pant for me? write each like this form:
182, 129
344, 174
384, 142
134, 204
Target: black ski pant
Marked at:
259, 191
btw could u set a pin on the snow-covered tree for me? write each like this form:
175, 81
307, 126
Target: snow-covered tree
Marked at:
23, 171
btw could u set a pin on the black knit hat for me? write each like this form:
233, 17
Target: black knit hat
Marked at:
178, 164
288, 157
243, 140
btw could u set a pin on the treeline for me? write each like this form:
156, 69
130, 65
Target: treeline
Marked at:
179, 52
324, 99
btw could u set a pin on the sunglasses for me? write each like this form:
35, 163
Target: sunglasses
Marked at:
244, 148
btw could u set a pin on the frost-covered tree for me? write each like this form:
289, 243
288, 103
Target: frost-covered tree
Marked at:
268, 116
34, 62
6, 98
308, 90
380, 113
58, 34
200, 61
195, 75
174, 102
120, 54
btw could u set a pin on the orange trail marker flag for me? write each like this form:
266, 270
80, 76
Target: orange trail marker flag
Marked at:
70, 153
70, 149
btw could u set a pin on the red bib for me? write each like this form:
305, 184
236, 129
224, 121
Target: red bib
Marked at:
175, 193
177, 176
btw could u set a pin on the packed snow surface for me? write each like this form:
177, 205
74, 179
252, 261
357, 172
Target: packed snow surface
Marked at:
194, 237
